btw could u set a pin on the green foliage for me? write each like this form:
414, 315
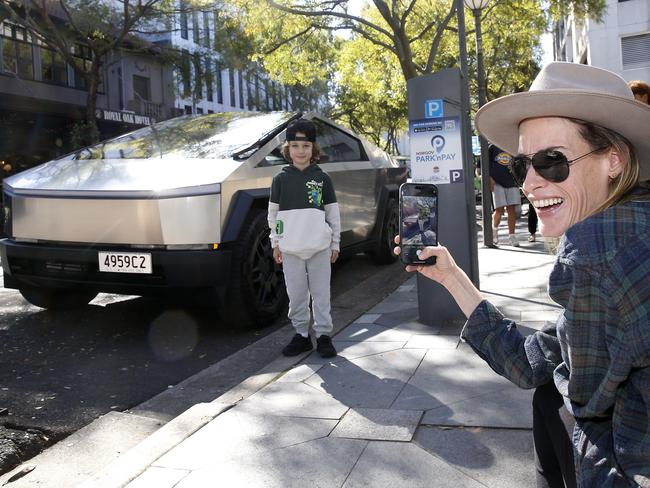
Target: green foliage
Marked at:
83, 134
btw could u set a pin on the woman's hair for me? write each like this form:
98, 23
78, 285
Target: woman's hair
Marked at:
639, 87
600, 137
315, 152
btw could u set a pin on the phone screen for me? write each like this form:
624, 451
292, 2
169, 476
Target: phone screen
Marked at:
418, 224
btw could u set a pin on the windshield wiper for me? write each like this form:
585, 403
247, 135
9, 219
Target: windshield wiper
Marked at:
246, 152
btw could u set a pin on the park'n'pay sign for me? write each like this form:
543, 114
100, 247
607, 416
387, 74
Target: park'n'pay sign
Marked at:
436, 150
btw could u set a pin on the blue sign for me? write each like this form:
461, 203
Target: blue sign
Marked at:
433, 109
476, 146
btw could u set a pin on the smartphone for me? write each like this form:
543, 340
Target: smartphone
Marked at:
418, 221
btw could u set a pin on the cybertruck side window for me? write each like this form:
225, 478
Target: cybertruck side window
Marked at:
336, 145
274, 158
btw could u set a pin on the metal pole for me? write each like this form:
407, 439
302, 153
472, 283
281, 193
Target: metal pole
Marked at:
467, 136
486, 194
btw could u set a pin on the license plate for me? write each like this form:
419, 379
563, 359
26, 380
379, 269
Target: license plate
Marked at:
125, 262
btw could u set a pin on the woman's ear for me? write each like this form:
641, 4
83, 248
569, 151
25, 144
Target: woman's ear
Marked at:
617, 162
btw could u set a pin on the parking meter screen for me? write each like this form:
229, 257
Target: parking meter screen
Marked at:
418, 221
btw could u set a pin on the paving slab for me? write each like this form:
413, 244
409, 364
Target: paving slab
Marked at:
509, 408
378, 424
299, 373
405, 465
497, 458
323, 463
372, 333
294, 400
414, 327
395, 318
429, 341
447, 376
370, 382
349, 350
239, 434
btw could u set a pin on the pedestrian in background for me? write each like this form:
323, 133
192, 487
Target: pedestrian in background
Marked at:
641, 90
584, 162
505, 192
305, 225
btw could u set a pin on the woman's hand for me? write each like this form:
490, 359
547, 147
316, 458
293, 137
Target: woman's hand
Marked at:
444, 268
335, 256
277, 255
449, 275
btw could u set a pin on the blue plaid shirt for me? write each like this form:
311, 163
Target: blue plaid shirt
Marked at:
599, 351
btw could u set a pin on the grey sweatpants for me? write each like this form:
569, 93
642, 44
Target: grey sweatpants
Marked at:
305, 279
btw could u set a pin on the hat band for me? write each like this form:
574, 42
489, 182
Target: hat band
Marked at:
300, 138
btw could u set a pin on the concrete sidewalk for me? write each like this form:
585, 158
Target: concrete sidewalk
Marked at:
403, 405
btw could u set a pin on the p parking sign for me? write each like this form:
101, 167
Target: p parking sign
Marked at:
433, 109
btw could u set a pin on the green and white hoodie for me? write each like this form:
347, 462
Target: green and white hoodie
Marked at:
303, 214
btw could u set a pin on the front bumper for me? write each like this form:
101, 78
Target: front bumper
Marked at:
60, 266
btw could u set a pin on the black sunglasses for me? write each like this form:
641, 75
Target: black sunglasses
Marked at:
550, 164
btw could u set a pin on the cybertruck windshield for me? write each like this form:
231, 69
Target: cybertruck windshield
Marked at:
213, 136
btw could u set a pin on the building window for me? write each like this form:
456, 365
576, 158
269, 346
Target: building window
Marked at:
231, 82
216, 26
206, 29
210, 111
240, 85
186, 76
267, 105
183, 20
274, 95
53, 67
249, 92
219, 81
17, 54
142, 87
188, 109
198, 76
199, 110
636, 51
196, 34
83, 57
257, 92
209, 87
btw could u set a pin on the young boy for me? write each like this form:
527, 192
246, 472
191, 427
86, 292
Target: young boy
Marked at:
305, 232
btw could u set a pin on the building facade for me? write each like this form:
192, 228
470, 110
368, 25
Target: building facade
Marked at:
620, 43
42, 97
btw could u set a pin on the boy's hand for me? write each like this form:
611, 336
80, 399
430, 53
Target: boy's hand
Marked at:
277, 255
335, 256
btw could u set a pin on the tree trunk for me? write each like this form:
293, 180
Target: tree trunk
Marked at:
91, 135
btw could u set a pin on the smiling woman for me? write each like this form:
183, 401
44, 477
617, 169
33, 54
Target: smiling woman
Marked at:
583, 158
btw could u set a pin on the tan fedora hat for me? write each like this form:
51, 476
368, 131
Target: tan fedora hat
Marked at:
571, 90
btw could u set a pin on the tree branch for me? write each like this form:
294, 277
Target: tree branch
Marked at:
435, 44
326, 13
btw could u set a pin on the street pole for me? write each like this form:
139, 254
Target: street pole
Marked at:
467, 136
486, 194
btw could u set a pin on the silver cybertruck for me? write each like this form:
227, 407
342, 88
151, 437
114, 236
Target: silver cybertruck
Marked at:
179, 208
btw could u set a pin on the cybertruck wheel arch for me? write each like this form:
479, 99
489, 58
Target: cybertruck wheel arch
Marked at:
242, 203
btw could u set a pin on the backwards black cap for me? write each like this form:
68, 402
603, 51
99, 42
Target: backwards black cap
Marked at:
305, 126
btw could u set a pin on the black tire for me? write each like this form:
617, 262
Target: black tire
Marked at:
256, 293
383, 253
57, 299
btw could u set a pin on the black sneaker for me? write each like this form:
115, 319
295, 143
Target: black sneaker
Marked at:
325, 347
298, 345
